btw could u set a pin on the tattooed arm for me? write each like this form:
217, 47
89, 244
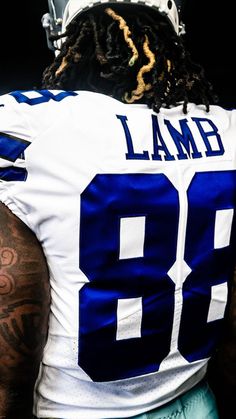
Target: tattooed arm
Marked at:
24, 309
222, 369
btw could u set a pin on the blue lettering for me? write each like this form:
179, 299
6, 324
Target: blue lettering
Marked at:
184, 139
157, 147
206, 134
131, 155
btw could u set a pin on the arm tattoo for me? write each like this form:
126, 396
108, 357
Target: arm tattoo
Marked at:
24, 309
8, 257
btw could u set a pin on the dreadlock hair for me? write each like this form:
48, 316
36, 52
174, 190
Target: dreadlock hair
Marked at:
133, 57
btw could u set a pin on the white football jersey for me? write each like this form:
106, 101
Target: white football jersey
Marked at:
136, 215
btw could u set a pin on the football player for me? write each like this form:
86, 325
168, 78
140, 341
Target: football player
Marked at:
119, 189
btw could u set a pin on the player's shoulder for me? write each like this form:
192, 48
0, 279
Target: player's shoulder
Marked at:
223, 118
97, 100
32, 104
35, 97
58, 99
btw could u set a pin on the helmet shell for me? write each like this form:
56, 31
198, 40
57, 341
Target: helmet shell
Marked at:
62, 12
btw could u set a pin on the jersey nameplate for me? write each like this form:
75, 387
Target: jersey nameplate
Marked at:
183, 140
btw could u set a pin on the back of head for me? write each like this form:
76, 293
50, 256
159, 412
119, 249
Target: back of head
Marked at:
132, 52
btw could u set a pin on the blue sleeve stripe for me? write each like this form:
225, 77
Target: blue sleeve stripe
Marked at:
44, 96
13, 173
11, 147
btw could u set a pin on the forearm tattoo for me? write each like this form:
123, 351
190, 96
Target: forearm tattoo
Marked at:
24, 309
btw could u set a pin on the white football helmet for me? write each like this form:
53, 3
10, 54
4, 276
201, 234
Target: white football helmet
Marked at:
62, 12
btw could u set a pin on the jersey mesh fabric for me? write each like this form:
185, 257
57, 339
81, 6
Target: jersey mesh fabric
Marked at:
135, 213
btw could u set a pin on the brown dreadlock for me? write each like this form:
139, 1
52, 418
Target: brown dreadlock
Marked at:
131, 57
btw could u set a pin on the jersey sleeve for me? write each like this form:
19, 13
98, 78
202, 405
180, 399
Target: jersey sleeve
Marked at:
15, 137
24, 115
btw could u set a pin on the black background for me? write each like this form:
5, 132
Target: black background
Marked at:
210, 36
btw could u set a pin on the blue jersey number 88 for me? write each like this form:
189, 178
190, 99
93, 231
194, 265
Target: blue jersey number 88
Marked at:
107, 200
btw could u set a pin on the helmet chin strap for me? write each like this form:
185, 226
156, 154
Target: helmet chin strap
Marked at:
62, 12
